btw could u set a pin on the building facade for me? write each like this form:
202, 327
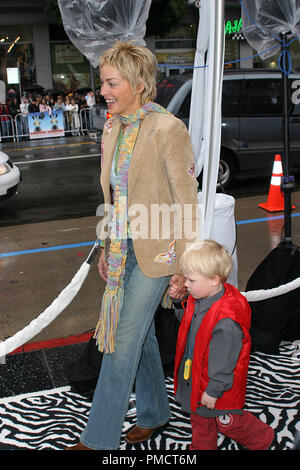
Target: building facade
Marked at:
35, 51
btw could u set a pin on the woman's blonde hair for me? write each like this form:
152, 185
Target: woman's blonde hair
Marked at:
136, 64
207, 258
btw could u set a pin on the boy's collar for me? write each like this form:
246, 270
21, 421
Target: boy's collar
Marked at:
208, 301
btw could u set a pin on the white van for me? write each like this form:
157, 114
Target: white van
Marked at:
252, 118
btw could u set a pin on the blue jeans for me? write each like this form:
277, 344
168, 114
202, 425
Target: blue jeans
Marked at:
136, 357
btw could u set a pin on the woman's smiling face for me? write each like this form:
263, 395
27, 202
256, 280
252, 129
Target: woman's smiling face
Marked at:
115, 89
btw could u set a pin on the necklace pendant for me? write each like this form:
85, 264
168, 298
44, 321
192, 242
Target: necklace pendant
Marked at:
187, 369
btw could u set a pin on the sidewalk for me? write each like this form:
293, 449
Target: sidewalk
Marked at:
41, 259
44, 143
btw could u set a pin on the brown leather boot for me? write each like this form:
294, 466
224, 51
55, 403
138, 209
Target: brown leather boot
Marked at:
137, 435
78, 446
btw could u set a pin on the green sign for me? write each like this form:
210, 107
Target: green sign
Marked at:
233, 27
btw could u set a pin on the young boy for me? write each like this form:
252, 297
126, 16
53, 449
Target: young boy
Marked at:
213, 352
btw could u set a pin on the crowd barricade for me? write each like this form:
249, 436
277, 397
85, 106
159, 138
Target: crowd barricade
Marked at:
72, 123
21, 127
7, 128
86, 119
75, 124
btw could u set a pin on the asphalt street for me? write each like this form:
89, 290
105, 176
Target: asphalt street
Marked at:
60, 180
47, 230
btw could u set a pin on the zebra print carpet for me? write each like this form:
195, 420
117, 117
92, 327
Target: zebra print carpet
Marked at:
54, 419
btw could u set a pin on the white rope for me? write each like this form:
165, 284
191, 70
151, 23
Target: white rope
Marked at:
67, 295
46, 317
256, 295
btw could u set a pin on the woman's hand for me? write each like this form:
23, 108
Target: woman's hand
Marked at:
177, 286
103, 266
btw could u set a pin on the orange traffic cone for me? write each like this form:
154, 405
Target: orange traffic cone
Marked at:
275, 202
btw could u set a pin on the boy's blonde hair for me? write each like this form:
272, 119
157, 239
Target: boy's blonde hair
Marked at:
207, 258
136, 64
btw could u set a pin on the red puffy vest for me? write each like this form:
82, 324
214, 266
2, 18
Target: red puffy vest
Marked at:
231, 305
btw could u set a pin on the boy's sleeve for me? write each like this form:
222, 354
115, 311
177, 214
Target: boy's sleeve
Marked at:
178, 308
224, 351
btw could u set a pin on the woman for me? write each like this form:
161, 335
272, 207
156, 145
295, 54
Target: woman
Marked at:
33, 106
5, 122
24, 108
146, 166
72, 107
14, 107
14, 111
51, 102
44, 107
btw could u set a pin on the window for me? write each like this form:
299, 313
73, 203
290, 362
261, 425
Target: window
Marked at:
70, 68
184, 111
16, 50
10, 33
262, 97
166, 89
231, 98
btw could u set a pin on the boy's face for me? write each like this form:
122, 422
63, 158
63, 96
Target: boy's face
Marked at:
201, 287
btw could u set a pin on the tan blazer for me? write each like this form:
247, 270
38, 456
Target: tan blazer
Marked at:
161, 179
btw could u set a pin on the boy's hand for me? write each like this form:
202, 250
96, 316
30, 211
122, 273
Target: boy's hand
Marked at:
208, 401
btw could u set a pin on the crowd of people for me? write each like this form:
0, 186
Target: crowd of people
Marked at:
48, 103
70, 103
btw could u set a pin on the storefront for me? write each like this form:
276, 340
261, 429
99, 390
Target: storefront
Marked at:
70, 69
239, 54
17, 59
177, 55
34, 51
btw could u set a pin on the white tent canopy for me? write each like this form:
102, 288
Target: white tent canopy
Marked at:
206, 103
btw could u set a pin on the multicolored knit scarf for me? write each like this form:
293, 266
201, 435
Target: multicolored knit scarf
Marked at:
114, 292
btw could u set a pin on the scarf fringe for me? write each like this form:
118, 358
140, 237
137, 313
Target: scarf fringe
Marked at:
106, 328
166, 300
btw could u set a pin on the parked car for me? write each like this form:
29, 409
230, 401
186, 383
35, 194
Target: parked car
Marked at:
10, 177
252, 118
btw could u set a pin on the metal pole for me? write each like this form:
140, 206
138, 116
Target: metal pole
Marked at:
19, 78
285, 50
287, 183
